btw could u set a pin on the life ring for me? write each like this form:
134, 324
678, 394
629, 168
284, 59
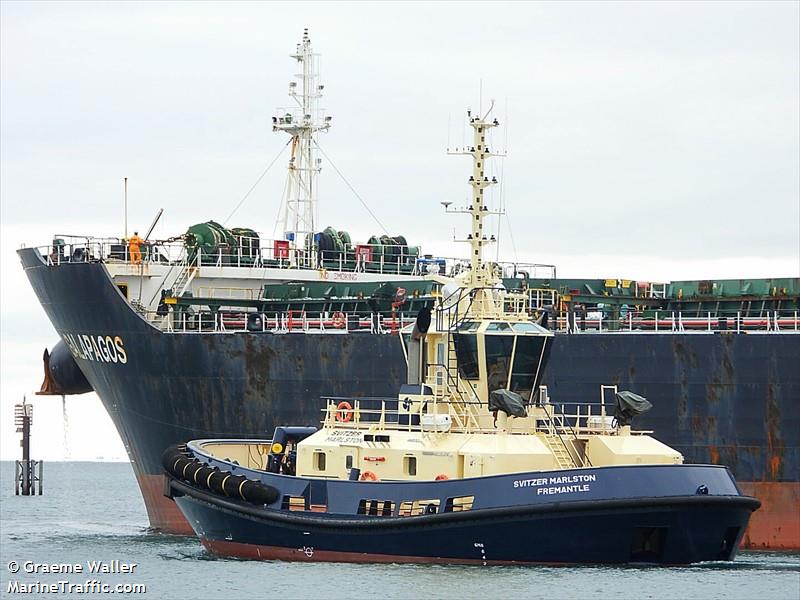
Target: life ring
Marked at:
368, 476
344, 412
442, 477
339, 320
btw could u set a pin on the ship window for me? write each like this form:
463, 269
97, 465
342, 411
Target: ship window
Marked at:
467, 355
376, 508
319, 460
498, 360
498, 326
528, 328
416, 508
348, 461
469, 326
293, 503
410, 464
524, 376
459, 503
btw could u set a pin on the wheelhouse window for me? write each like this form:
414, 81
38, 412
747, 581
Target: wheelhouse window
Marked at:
498, 326
528, 361
527, 327
467, 354
468, 326
498, 360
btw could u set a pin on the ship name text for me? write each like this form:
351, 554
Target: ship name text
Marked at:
96, 348
561, 484
343, 436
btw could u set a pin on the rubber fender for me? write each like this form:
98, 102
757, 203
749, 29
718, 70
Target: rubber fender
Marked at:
190, 472
256, 492
182, 464
230, 486
214, 481
170, 457
202, 476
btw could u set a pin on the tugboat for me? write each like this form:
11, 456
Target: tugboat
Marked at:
470, 463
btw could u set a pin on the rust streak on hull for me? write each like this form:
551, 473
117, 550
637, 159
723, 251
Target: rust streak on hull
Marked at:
776, 525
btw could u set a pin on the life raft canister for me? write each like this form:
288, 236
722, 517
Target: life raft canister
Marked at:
344, 412
368, 476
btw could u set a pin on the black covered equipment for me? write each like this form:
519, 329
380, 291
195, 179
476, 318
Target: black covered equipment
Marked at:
422, 324
629, 405
509, 402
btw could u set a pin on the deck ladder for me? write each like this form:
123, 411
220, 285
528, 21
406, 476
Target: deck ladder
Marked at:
557, 446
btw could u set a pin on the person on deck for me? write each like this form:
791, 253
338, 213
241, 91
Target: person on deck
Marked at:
133, 248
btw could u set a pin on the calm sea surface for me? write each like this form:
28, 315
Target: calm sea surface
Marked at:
93, 512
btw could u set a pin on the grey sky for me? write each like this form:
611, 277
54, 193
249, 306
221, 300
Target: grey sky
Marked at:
674, 123
646, 140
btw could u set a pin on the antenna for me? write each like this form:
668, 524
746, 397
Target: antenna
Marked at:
302, 121
480, 274
126, 207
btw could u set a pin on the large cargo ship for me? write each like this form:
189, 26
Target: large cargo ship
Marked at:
223, 333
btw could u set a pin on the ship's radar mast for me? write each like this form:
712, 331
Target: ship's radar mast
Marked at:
302, 121
481, 275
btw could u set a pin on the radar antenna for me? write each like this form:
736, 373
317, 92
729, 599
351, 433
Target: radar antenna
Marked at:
302, 121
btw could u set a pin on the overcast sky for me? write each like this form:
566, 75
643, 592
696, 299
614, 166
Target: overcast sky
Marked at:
650, 141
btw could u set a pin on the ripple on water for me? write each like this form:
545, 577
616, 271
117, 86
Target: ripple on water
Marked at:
68, 525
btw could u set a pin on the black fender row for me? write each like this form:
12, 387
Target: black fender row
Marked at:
177, 461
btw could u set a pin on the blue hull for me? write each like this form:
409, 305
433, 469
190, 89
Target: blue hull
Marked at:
642, 514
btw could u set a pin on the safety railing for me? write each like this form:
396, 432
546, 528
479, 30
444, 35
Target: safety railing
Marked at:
545, 418
775, 321
260, 253
170, 320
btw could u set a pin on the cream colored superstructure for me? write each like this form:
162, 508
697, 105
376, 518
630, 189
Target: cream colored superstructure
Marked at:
473, 364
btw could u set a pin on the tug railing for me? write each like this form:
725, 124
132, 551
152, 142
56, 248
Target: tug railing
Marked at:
544, 417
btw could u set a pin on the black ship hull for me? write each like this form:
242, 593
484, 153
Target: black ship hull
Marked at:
718, 398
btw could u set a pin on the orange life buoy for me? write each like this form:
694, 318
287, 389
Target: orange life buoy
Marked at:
368, 476
339, 321
344, 412
441, 477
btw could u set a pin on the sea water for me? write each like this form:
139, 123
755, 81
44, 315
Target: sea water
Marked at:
91, 515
